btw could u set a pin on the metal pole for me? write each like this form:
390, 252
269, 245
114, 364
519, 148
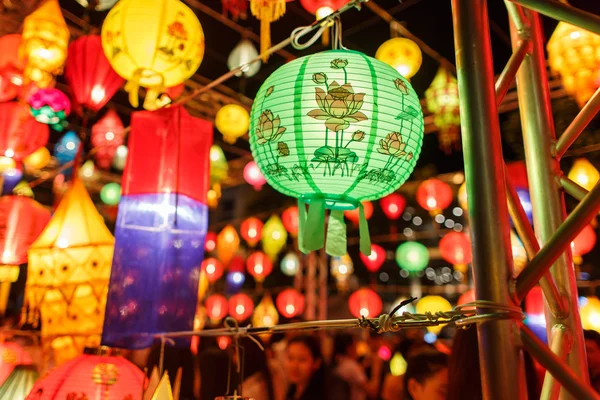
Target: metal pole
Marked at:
490, 232
587, 113
562, 341
573, 188
563, 12
510, 71
546, 197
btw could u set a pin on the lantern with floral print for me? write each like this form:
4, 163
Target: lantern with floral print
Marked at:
442, 101
345, 139
51, 107
107, 135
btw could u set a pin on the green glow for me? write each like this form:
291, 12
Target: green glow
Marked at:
110, 194
412, 256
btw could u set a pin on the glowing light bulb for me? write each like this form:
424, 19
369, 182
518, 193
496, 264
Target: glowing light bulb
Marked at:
252, 232
98, 94
9, 153
323, 12
290, 309
343, 269
109, 135
575, 35
62, 243
431, 203
240, 309
364, 312
210, 268
403, 69
258, 269
276, 235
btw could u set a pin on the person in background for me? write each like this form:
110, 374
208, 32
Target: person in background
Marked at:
306, 372
375, 363
592, 348
426, 376
257, 382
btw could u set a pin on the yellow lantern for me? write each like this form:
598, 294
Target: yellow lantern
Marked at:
590, 314
228, 243
274, 237
68, 275
462, 196
265, 313
584, 174
266, 11
202, 285
232, 121
402, 54
433, 304
44, 43
442, 101
574, 53
219, 169
341, 269
152, 43
38, 159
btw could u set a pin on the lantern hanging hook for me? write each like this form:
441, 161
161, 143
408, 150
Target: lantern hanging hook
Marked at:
337, 35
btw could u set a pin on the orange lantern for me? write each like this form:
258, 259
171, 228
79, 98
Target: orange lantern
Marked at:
213, 269
259, 265
211, 241
365, 303
393, 206
11, 67
265, 313
251, 230
434, 195
290, 303
216, 307
353, 215
375, 260
241, 307
290, 220
583, 243
228, 243
466, 297
455, 248
11, 355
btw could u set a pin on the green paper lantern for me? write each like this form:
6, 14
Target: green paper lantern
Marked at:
412, 256
110, 194
334, 129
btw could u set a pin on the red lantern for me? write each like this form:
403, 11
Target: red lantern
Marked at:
352, 215
107, 134
434, 195
455, 248
237, 264
251, 230
11, 355
322, 8
290, 303
211, 241
21, 221
20, 133
11, 67
216, 307
393, 205
89, 74
466, 297
213, 269
583, 243
253, 176
365, 303
290, 220
259, 265
88, 375
375, 260
240, 307
518, 174
534, 302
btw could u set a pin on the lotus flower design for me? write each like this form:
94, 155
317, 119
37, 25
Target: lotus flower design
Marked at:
338, 107
269, 128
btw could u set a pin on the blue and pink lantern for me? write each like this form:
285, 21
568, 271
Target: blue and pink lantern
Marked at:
160, 229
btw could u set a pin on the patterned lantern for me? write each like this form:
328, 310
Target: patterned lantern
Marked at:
251, 230
217, 307
354, 215
584, 174
290, 264
412, 256
44, 43
213, 269
20, 134
51, 107
219, 170
442, 101
574, 53
107, 135
365, 303
91, 377
434, 195
393, 206
402, 54
68, 274
228, 243
211, 242
265, 313
90, 76
11, 355
259, 266
241, 54
38, 159
341, 268
19, 383
274, 236
590, 314
344, 140
21, 221
375, 260
466, 297
253, 176
240, 307
433, 304
11, 67
160, 228
120, 159
290, 303
583, 243
152, 43
232, 121
99, 5
289, 217
65, 150
455, 248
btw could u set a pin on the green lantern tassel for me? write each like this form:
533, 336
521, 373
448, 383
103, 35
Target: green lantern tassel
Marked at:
363, 231
313, 237
336, 244
301, 225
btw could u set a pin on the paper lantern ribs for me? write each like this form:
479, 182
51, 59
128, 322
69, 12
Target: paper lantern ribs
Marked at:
160, 229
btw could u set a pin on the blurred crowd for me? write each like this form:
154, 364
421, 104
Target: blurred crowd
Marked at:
348, 365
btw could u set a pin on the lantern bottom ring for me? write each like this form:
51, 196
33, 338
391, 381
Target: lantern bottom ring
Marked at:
332, 201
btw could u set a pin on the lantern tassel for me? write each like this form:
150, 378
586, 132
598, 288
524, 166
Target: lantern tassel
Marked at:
336, 244
363, 231
301, 225
132, 87
267, 12
265, 38
314, 227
